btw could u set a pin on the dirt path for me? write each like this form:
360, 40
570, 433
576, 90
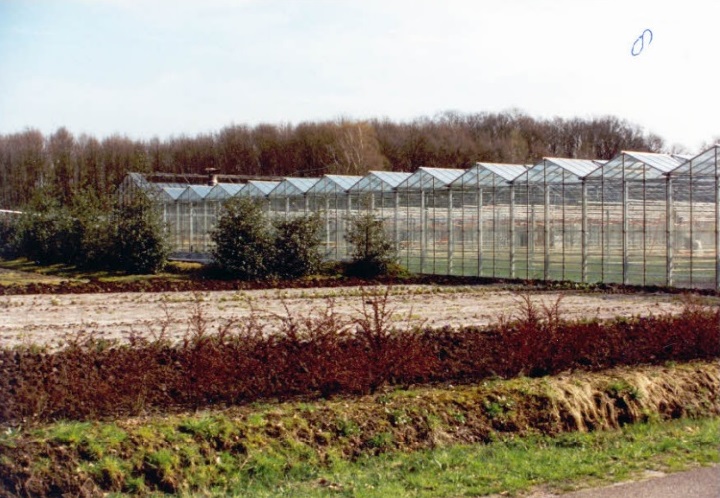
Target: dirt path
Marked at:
46, 319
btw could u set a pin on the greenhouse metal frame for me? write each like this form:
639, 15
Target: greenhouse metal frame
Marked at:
640, 218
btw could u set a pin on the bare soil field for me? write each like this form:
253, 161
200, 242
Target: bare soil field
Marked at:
49, 319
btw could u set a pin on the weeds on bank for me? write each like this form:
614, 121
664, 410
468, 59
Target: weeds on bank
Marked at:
324, 354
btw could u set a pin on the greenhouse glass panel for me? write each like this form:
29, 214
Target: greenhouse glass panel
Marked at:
329, 198
695, 214
288, 197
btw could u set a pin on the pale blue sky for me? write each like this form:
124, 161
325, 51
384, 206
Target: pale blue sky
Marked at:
147, 68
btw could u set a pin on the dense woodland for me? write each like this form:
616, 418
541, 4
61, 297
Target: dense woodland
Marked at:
64, 164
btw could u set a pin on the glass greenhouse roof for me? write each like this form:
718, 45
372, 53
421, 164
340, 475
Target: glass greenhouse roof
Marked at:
293, 186
380, 181
139, 180
706, 163
491, 174
638, 165
333, 184
194, 193
223, 191
257, 188
171, 185
429, 178
559, 169
170, 193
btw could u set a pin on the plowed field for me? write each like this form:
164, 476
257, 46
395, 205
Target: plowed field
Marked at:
48, 319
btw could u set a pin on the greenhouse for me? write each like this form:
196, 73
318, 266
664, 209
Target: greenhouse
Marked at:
640, 218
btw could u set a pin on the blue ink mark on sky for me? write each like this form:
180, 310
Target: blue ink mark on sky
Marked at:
646, 35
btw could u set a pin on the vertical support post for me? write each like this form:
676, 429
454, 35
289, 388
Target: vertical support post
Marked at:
287, 206
205, 227
584, 233
603, 229
192, 226
178, 226
529, 227
546, 232
669, 246
692, 231
625, 215
480, 232
327, 226
409, 230
563, 228
511, 230
337, 226
644, 231
423, 231
432, 229
396, 228
531, 238
717, 221
207, 230
348, 218
451, 234
462, 230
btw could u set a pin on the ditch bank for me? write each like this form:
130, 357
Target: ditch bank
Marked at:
185, 453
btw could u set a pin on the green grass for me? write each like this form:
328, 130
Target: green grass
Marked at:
30, 272
200, 458
512, 466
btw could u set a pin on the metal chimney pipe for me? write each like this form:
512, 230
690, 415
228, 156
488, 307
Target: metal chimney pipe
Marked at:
212, 178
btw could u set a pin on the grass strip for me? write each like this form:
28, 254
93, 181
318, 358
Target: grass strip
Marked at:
510, 466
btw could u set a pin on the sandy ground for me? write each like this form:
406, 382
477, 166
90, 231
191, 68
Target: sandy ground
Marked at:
48, 319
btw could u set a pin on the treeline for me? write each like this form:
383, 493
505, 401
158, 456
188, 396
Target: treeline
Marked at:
63, 163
